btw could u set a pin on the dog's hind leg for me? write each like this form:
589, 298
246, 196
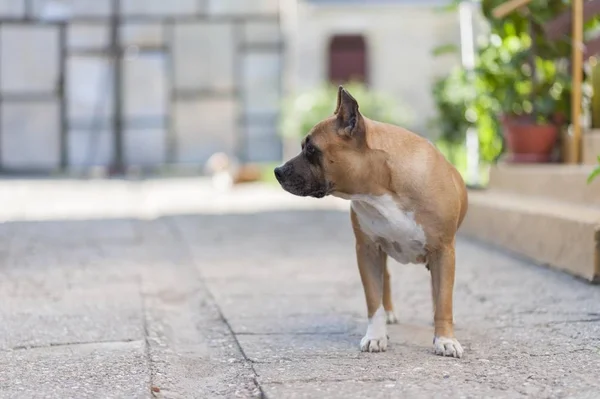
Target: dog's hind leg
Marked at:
388, 303
442, 265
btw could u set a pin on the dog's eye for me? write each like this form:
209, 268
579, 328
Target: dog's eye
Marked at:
309, 149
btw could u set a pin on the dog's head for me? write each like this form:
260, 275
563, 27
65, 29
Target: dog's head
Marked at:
330, 155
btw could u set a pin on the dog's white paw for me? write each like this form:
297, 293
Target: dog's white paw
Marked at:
376, 339
445, 346
373, 344
390, 317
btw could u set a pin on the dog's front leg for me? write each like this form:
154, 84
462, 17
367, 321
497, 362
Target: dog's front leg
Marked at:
442, 263
371, 264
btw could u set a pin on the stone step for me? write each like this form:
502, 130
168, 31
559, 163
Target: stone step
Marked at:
590, 147
558, 182
562, 235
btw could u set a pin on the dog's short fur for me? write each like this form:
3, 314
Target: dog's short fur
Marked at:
407, 202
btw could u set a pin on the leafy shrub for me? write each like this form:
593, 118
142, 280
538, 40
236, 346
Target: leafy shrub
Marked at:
453, 95
303, 111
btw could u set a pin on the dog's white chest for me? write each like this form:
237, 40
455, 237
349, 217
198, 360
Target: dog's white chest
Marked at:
393, 229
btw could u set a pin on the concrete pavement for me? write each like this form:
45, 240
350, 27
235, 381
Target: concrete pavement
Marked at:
165, 288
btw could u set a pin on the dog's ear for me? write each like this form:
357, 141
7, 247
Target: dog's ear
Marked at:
339, 100
347, 113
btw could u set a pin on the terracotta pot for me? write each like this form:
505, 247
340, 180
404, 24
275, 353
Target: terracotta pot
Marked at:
528, 141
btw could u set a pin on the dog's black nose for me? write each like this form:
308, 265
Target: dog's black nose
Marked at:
278, 173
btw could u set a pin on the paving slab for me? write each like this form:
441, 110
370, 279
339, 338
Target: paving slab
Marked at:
99, 288
313, 302
58, 289
108, 370
193, 352
77, 315
297, 324
274, 348
389, 390
17, 235
419, 367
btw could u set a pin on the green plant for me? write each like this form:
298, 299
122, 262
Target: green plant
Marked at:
595, 172
303, 111
518, 73
527, 73
452, 95
595, 84
507, 84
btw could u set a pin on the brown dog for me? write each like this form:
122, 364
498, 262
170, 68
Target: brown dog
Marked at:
407, 202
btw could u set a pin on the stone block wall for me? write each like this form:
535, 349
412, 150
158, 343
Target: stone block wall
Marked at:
179, 79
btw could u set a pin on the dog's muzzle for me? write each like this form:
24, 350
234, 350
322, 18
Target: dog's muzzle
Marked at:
278, 173
297, 184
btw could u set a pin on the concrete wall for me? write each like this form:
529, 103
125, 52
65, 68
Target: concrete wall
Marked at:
400, 39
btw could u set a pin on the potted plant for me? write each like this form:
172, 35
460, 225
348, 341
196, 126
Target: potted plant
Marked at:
532, 118
532, 95
521, 83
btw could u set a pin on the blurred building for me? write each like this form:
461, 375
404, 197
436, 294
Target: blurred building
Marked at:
386, 43
137, 82
154, 82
